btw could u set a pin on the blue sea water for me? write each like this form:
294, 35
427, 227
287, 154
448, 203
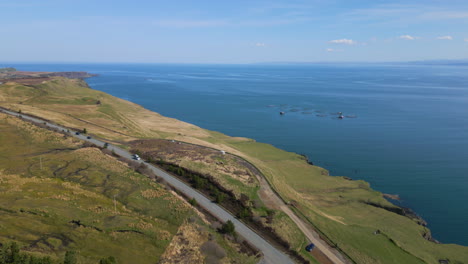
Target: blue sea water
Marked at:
405, 128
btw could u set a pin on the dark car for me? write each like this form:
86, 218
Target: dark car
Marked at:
77, 133
310, 247
88, 137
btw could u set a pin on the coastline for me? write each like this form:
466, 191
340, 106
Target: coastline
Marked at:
400, 210
347, 188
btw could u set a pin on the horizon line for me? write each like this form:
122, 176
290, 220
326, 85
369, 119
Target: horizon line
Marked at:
238, 63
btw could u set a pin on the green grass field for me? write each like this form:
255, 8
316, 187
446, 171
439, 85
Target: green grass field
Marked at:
335, 205
57, 196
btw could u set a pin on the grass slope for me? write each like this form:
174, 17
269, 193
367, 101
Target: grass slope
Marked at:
335, 205
57, 196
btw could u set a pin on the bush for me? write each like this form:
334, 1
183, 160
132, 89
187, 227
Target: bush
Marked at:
219, 198
70, 257
108, 260
10, 253
193, 202
244, 213
228, 228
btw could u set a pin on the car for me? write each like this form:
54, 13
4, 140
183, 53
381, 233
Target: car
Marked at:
77, 133
136, 157
310, 247
88, 137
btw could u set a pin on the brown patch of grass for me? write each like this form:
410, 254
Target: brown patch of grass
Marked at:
224, 168
185, 246
152, 193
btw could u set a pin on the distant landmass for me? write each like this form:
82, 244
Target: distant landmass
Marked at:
461, 62
8, 69
25, 77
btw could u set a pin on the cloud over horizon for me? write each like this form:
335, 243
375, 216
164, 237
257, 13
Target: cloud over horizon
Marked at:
445, 38
343, 41
408, 37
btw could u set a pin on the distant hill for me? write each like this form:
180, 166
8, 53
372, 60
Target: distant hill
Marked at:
8, 69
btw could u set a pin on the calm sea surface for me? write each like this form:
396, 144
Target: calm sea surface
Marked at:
405, 128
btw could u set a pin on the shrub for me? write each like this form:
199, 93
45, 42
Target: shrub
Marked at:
244, 213
219, 198
70, 257
193, 202
108, 260
228, 228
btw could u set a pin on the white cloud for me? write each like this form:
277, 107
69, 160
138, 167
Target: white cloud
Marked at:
445, 37
466, 39
260, 44
343, 41
408, 37
334, 50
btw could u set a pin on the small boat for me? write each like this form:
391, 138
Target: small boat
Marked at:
281, 113
341, 116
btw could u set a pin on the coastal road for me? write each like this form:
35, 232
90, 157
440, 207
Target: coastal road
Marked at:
271, 255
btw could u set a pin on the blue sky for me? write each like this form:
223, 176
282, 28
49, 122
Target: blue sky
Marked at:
238, 31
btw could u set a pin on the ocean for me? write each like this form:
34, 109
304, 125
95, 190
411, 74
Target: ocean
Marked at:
405, 127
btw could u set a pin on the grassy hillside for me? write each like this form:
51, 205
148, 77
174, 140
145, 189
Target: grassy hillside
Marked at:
56, 195
346, 211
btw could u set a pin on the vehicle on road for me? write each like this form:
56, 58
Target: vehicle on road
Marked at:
136, 157
77, 133
310, 247
88, 137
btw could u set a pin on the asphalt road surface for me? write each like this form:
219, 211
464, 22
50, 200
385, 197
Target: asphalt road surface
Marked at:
271, 255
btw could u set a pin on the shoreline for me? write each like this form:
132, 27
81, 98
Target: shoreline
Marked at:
293, 161
400, 210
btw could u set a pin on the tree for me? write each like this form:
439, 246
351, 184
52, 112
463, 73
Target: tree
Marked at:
193, 202
108, 260
228, 228
244, 213
85, 131
70, 257
219, 198
12, 253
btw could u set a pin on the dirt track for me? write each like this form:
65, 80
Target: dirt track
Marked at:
322, 251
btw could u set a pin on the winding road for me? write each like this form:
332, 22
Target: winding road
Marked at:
271, 255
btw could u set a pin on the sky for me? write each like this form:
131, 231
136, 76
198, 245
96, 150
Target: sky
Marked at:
222, 31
